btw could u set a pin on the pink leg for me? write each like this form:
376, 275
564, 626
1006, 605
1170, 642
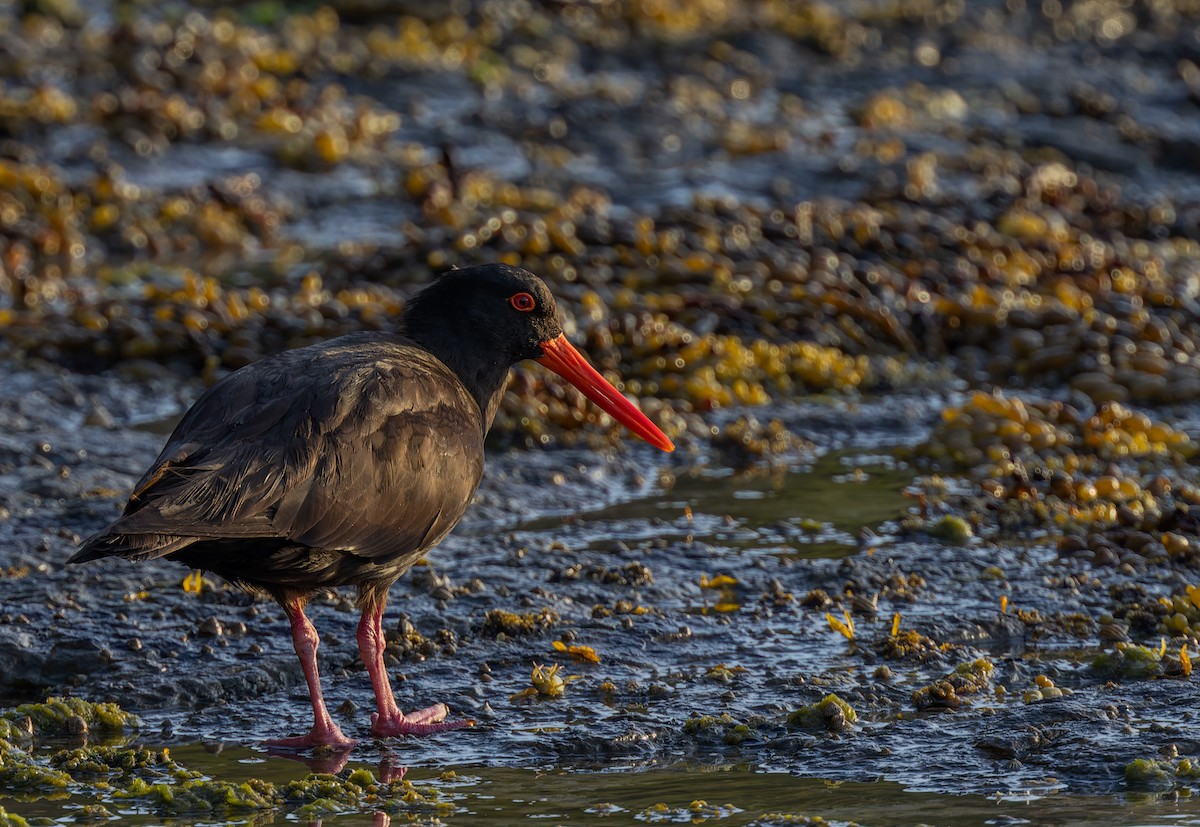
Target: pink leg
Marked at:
389, 720
324, 732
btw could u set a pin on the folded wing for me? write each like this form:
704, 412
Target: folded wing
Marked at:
372, 450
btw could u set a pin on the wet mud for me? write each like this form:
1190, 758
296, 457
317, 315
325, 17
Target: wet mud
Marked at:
912, 285
709, 627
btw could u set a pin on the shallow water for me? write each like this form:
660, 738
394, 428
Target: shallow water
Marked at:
805, 512
735, 794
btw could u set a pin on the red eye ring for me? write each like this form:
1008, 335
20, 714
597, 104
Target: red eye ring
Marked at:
523, 302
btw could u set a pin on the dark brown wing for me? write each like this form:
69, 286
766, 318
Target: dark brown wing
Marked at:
365, 444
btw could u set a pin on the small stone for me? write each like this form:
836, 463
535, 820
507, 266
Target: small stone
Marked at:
76, 725
211, 627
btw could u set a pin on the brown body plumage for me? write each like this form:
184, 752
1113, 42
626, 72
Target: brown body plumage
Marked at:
383, 451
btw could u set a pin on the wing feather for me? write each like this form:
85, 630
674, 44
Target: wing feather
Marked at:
367, 445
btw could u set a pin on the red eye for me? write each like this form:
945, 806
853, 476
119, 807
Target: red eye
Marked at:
522, 301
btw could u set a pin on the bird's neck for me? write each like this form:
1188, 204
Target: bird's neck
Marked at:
486, 383
483, 371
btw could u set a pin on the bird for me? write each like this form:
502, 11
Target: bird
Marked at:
342, 463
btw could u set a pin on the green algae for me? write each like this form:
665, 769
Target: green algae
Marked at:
11, 731
90, 813
155, 781
310, 797
330, 788
830, 714
320, 807
1147, 771
1159, 774
8, 819
707, 723
1150, 774
203, 796
738, 733
74, 716
1130, 661
115, 760
21, 775
951, 529
404, 797
725, 727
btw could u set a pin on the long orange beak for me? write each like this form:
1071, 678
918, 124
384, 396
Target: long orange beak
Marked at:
562, 358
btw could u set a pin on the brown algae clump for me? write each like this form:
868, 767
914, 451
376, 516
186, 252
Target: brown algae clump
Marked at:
499, 622
747, 442
724, 728
695, 813
1179, 613
830, 714
1049, 464
909, 644
995, 429
706, 723
968, 679
580, 652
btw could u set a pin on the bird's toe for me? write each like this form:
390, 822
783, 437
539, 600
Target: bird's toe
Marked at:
427, 721
317, 740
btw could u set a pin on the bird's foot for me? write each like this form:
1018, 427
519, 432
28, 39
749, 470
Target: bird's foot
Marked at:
425, 721
321, 740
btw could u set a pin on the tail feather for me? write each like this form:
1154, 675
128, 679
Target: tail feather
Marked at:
109, 543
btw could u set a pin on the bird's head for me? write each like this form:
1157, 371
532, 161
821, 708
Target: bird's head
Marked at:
504, 311
499, 315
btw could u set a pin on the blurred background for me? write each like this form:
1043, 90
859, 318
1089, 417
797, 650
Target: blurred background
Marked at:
738, 202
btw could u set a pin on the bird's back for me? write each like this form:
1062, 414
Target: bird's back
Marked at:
335, 464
